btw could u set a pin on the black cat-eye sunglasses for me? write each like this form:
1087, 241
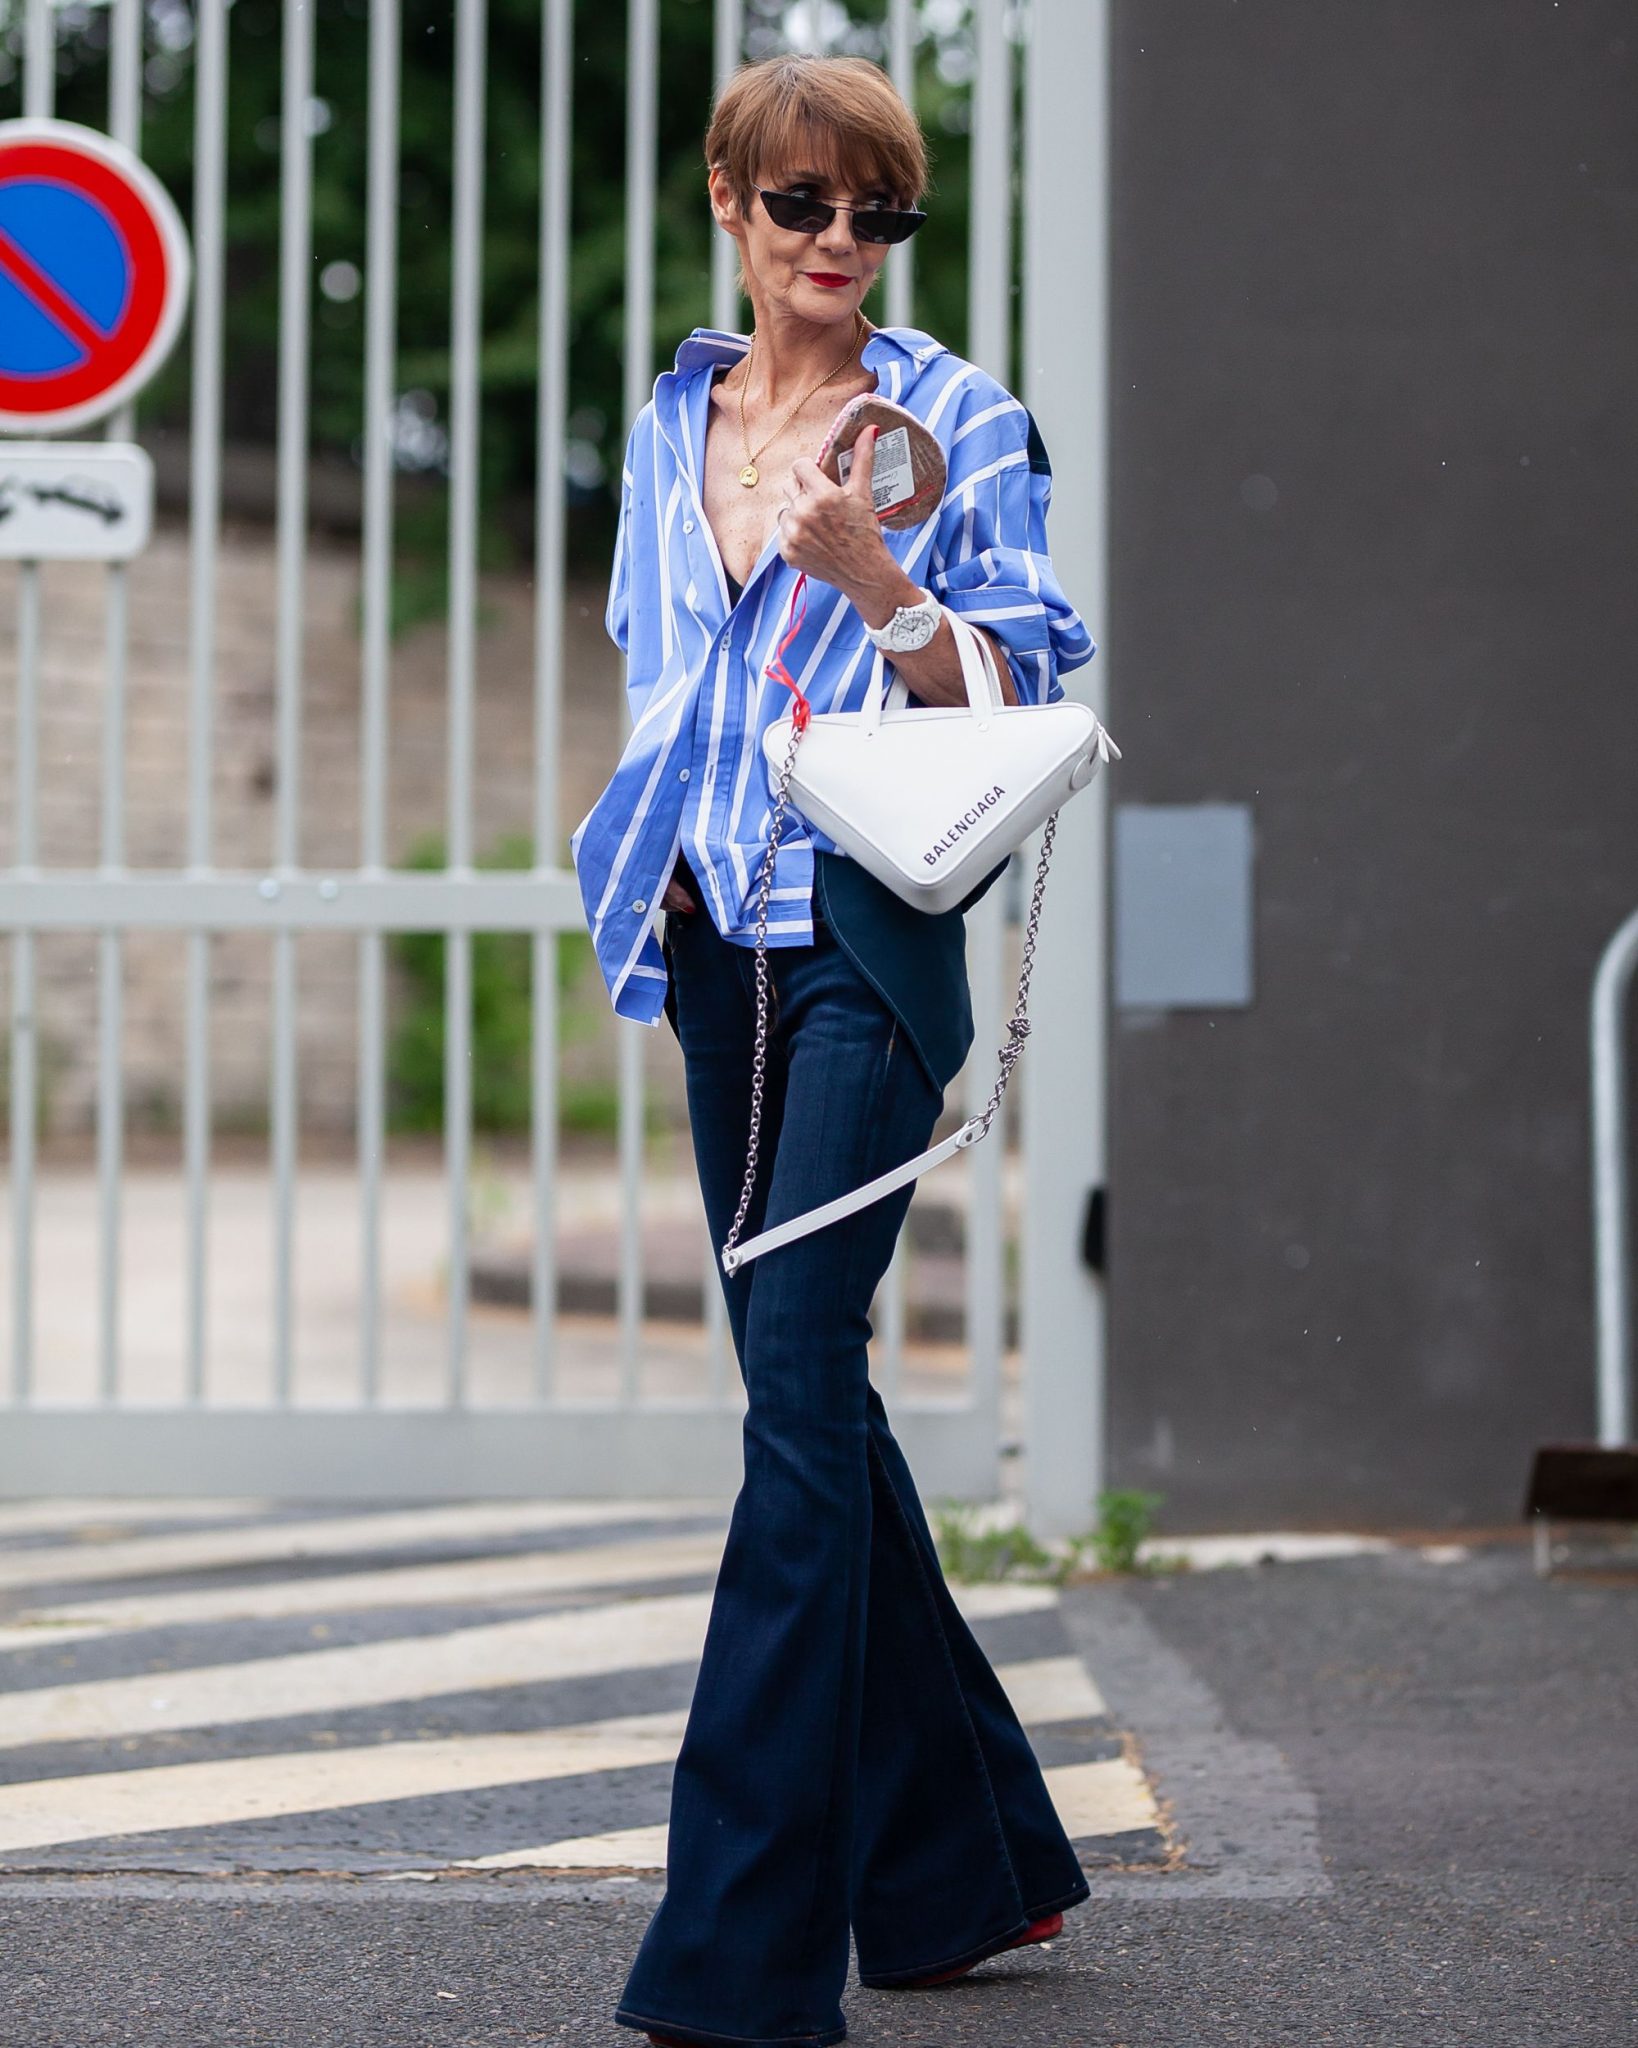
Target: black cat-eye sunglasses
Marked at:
807, 216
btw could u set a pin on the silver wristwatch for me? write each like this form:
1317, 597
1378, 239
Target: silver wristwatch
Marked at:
910, 627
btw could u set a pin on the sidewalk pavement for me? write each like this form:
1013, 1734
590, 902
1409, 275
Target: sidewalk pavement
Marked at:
332, 1778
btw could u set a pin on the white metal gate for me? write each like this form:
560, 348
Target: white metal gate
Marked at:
543, 1438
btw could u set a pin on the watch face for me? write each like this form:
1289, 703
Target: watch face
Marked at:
907, 634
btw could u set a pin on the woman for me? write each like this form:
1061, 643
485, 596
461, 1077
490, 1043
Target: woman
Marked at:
851, 1762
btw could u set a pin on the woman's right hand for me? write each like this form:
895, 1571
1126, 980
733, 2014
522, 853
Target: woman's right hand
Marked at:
676, 897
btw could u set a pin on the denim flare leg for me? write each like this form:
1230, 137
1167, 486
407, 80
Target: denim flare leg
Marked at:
850, 1761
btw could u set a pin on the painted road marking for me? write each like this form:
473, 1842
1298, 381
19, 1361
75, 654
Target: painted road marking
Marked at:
1107, 1798
51, 1812
582, 1642
1044, 1689
292, 1543
1110, 1797
602, 1637
461, 1582
466, 1582
40, 1517
620, 1848
630, 1635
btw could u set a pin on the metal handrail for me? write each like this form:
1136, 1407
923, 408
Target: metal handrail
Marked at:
1612, 1186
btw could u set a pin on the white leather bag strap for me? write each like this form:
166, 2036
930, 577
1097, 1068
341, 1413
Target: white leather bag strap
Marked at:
734, 1255
978, 672
844, 1205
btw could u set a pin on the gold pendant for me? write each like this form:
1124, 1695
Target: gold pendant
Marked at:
748, 475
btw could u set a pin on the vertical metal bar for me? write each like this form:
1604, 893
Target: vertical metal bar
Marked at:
642, 83
1066, 355
990, 251
204, 530
125, 117
891, 1338
39, 60
124, 124
39, 87
989, 336
726, 312
901, 65
466, 290
110, 1112
727, 50
1611, 1190
901, 31
295, 304
557, 114
380, 345
718, 1336
25, 853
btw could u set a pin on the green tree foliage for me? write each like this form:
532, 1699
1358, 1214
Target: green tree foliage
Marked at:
338, 120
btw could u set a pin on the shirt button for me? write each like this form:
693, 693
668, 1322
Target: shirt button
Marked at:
639, 905
688, 526
682, 774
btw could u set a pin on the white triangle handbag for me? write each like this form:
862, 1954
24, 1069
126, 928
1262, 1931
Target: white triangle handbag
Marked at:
929, 800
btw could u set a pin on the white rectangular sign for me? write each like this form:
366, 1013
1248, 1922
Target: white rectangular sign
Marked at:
74, 501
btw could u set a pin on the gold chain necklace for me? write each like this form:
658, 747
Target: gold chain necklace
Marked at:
750, 475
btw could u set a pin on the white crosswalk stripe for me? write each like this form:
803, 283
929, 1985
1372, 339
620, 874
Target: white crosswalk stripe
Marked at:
168, 1796
40, 1517
209, 1687
1111, 1797
466, 1582
624, 1637
291, 1542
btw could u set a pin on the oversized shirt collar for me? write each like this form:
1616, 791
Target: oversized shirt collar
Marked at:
706, 347
712, 345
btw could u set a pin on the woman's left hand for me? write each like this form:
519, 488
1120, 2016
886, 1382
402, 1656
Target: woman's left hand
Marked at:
831, 530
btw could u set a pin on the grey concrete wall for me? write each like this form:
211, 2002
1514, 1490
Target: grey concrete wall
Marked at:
1376, 484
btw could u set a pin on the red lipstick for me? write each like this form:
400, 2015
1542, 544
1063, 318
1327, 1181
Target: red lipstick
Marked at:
827, 277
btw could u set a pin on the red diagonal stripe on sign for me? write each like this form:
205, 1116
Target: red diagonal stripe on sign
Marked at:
48, 295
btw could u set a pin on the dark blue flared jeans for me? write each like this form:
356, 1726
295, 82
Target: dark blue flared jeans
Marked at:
850, 1762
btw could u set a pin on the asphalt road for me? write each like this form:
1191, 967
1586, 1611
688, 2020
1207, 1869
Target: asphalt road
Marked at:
1400, 1794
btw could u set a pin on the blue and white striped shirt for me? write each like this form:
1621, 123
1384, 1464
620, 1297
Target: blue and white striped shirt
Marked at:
692, 775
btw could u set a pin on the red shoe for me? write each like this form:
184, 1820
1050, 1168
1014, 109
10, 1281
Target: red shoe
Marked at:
1037, 1930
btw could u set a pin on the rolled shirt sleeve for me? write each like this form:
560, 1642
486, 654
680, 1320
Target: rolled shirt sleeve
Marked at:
989, 559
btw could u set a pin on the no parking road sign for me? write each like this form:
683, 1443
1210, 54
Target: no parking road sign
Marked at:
94, 275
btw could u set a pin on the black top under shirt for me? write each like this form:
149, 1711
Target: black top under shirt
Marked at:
736, 589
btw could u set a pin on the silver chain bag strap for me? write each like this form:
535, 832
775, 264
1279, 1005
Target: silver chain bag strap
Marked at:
734, 1254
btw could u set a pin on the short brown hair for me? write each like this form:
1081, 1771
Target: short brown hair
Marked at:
846, 110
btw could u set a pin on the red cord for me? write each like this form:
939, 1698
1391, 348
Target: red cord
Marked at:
776, 665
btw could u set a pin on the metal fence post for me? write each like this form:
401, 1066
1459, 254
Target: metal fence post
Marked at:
1612, 1207
1065, 385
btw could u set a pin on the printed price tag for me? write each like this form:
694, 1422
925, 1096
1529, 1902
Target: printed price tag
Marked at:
892, 481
